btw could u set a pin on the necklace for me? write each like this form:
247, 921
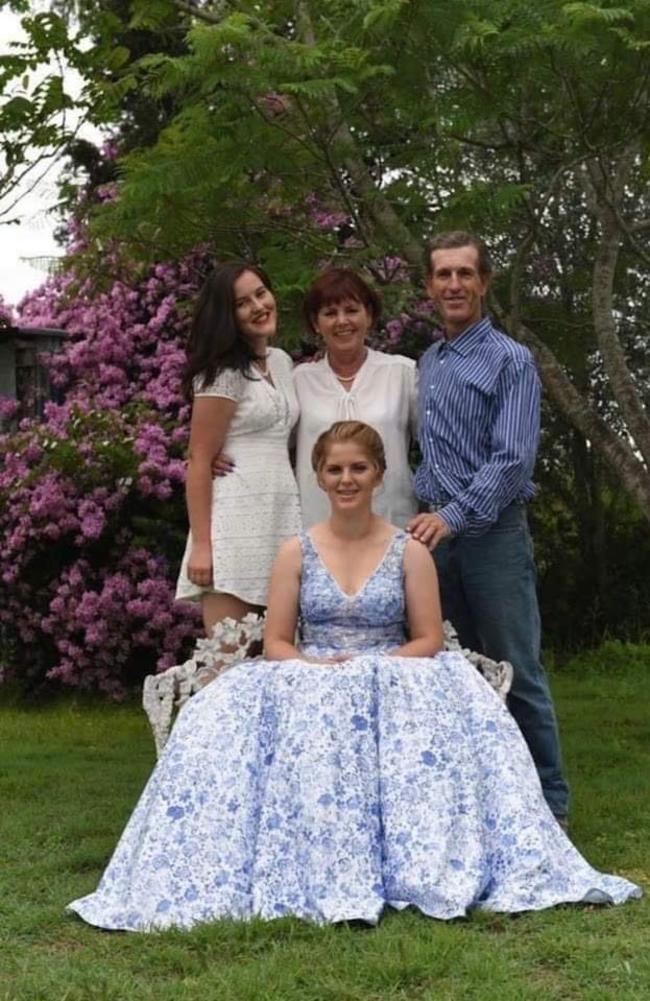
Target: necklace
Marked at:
349, 378
262, 364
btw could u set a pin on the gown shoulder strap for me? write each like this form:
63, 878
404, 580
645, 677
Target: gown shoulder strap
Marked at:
307, 551
394, 560
399, 542
306, 545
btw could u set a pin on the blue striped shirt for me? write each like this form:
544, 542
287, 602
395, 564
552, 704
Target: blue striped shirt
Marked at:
478, 426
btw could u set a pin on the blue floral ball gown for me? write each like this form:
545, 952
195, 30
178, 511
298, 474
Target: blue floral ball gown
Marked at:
330, 792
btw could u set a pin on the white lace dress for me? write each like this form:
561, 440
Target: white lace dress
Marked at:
256, 507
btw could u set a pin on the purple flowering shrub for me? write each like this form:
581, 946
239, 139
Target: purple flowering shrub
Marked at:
92, 516
92, 513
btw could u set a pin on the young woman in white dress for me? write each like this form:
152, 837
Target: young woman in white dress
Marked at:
243, 401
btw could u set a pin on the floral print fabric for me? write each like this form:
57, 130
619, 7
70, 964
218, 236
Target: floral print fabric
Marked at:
331, 792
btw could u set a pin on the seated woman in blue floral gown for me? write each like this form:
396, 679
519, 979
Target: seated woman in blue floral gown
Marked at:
361, 770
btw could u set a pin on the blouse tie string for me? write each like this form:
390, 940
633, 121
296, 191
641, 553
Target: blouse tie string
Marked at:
348, 409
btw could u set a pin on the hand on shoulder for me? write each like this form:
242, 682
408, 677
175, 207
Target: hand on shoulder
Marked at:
428, 528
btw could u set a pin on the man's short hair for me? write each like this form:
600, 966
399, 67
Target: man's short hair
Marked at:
452, 240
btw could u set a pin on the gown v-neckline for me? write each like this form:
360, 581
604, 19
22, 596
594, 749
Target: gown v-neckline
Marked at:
360, 590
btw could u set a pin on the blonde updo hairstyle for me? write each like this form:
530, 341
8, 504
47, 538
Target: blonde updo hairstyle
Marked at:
356, 432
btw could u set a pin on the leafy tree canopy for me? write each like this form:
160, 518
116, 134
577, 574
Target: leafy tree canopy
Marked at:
296, 131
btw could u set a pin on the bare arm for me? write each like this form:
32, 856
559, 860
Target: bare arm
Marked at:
282, 611
211, 417
422, 603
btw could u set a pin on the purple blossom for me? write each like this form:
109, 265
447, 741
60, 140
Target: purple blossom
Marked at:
394, 329
91, 499
8, 408
323, 217
110, 148
71, 484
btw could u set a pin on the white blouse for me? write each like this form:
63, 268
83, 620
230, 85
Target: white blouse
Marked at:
383, 394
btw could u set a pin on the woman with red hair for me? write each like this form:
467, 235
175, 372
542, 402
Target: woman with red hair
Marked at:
352, 381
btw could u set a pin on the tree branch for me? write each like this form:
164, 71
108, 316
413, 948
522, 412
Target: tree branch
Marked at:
634, 244
380, 211
577, 411
516, 276
199, 13
607, 190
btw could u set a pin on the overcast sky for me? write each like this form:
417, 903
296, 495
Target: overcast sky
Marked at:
22, 245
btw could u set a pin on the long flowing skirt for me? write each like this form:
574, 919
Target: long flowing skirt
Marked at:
331, 793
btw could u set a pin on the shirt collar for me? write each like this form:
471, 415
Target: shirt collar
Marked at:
467, 341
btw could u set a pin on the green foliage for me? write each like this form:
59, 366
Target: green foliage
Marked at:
452, 114
506, 117
592, 548
152, 14
588, 13
484, 198
473, 35
611, 659
477, 104
383, 14
99, 430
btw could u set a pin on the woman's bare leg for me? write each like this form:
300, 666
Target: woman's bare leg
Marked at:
216, 608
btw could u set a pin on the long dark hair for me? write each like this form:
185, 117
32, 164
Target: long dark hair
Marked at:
215, 342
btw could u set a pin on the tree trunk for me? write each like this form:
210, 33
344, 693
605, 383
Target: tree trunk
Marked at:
618, 373
615, 451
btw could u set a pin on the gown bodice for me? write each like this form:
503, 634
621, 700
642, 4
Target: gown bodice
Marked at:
371, 620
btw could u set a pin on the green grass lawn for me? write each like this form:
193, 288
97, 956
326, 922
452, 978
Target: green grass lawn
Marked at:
71, 772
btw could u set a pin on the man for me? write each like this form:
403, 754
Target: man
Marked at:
479, 431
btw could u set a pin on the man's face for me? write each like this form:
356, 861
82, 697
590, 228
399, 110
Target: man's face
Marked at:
457, 287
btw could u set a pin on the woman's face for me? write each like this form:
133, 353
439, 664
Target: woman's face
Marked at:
348, 476
343, 326
255, 309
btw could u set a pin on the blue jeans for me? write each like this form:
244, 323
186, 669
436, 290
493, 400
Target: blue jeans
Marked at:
488, 590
